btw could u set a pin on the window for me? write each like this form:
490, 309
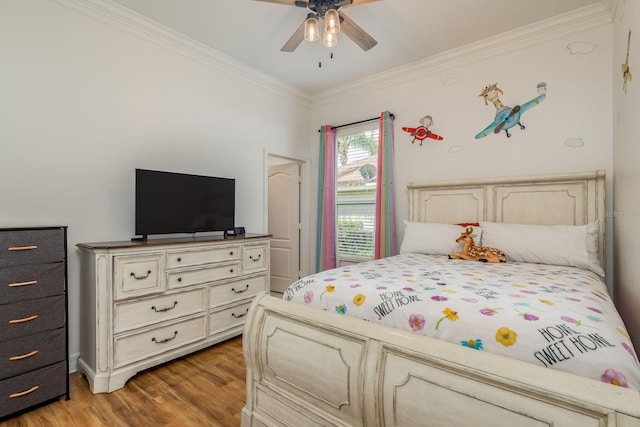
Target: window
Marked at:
357, 156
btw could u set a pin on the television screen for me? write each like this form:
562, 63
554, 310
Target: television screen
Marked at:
168, 202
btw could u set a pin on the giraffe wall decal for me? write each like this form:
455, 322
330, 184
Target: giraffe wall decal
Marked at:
507, 117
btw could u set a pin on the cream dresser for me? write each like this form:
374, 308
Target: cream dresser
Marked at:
146, 303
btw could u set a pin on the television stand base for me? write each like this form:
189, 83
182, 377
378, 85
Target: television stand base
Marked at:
213, 279
139, 239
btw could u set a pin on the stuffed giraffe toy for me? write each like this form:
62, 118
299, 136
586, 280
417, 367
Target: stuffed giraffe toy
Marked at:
471, 252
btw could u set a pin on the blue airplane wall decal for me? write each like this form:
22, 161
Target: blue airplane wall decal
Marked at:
507, 117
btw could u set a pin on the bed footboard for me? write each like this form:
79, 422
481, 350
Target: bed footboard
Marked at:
309, 367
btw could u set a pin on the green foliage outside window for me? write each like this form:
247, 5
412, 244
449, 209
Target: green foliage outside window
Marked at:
355, 196
363, 141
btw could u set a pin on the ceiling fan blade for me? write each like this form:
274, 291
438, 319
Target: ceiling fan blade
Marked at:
295, 40
355, 33
285, 2
357, 3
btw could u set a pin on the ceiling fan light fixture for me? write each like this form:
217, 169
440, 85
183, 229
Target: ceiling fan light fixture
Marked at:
329, 39
332, 21
311, 28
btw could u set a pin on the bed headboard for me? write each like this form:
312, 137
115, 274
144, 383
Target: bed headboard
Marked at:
568, 199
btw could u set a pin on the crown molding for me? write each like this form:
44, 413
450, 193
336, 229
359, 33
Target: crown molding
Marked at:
586, 18
116, 15
614, 6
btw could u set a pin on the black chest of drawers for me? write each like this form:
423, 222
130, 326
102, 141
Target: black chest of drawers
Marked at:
34, 357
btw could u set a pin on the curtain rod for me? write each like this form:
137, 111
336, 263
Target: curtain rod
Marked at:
359, 122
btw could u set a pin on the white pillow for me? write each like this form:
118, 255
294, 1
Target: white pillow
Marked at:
575, 246
434, 239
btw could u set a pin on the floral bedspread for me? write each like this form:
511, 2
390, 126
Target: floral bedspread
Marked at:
552, 316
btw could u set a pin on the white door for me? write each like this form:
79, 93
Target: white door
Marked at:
284, 224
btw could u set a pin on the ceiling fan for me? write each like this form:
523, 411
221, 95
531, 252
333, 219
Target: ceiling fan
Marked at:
329, 12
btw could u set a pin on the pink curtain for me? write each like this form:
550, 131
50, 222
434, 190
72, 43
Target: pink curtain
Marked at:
385, 233
326, 225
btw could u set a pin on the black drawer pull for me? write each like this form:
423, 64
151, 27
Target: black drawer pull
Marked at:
23, 320
23, 393
179, 279
255, 259
23, 248
179, 259
238, 316
175, 334
18, 284
141, 277
24, 356
160, 310
231, 253
231, 270
239, 291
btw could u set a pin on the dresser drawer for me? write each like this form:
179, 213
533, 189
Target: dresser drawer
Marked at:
202, 256
31, 281
134, 314
31, 317
228, 318
138, 275
32, 388
138, 346
254, 258
31, 352
238, 289
182, 278
19, 247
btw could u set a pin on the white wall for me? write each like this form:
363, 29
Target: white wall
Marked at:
626, 149
84, 101
577, 108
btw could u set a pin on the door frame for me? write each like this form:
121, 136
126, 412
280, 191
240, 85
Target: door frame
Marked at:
305, 233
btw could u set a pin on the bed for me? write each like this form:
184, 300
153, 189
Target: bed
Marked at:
321, 366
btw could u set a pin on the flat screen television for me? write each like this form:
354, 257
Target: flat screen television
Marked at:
169, 202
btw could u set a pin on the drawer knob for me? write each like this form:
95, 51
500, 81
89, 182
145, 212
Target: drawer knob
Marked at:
23, 248
24, 356
179, 259
23, 320
237, 316
255, 259
18, 284
179, 279
231, 253
231, 270
140, 277
23, 393
162, 341
160, 310
239, 291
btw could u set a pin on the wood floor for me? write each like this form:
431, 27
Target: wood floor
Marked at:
206, 388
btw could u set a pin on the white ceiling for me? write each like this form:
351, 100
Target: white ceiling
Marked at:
406, 30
